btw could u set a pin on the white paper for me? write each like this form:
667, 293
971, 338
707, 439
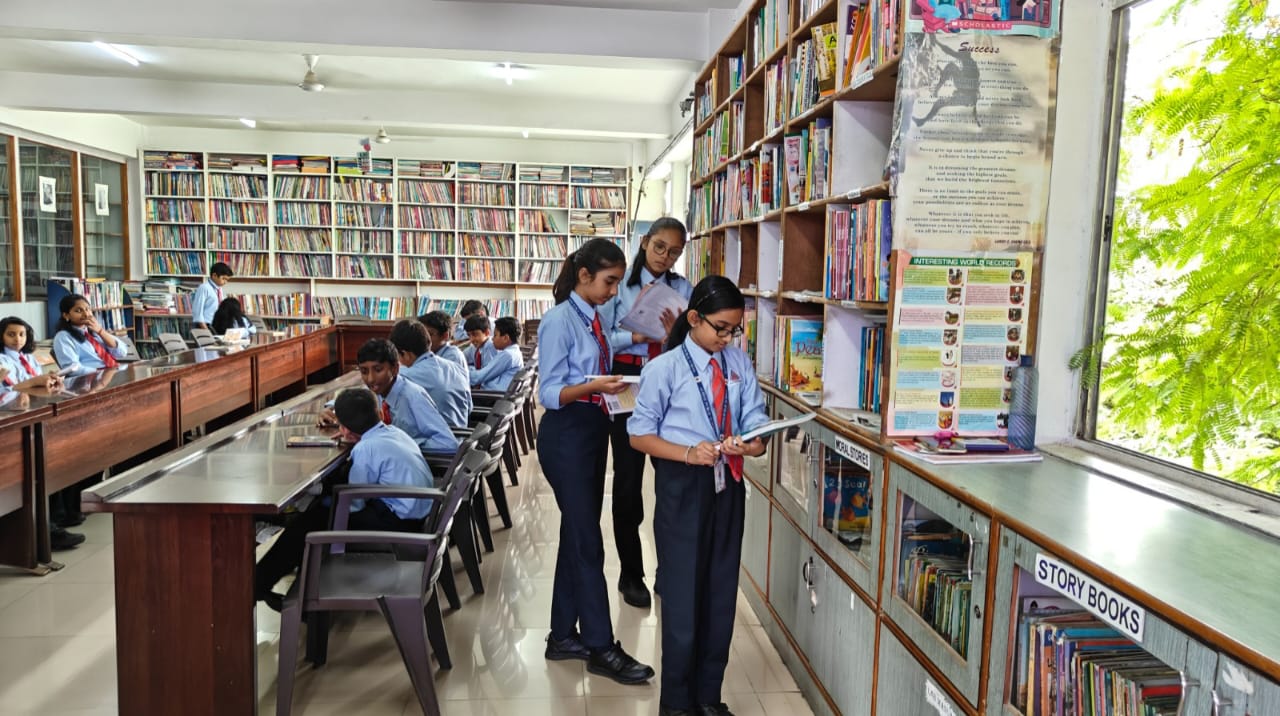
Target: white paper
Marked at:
645, 317
101, 200
778, 426
48, 195
624, 378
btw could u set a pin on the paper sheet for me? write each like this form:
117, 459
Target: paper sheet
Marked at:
645, 317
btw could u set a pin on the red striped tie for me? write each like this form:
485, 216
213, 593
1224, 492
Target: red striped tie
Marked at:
599, 334
386, 413
107, 360
25, 364
719, 397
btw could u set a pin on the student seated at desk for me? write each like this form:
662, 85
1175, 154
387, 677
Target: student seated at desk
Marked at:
495, 361
22, 371
439, 326
402, 403
80, 342
445, 381
207, 298
469, 309
231, 315
382, 455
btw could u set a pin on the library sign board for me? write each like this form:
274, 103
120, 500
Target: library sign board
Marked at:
959, 328
1127, 617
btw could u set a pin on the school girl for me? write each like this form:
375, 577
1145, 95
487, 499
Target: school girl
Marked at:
659, 250
695, 400
573, 446
19, 345
230, 314
80, 340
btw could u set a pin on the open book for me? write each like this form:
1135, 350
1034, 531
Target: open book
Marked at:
776, 426
645, 317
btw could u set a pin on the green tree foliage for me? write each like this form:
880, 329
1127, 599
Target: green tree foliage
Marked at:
1191, 368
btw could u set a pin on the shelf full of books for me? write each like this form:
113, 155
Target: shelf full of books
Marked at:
294, 216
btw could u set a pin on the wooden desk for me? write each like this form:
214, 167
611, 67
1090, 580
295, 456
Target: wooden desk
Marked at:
18, 535
184, 556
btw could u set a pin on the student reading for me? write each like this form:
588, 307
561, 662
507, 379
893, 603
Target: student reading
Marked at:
230, 315
382, 455
659, 250
207, 298
694, 401
80, 342
438, 325
445, 381
573, 445
495, 360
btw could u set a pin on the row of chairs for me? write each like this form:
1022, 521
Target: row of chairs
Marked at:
174, 342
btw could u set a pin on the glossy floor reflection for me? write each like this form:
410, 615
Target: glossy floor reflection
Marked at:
57, 640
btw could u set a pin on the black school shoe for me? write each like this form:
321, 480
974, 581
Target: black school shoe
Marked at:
618, 665
61, 540
570, 647
720, 709
634, 592
668, 711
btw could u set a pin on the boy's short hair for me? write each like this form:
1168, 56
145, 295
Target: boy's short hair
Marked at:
410, 337
509, 327
438, 321
221, 269
470, 307
476, 323
378, 350
357, 410
30, 345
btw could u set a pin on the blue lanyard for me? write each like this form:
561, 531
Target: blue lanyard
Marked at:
706, 401
600, 344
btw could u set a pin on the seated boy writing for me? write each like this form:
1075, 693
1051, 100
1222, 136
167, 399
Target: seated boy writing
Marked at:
494, 362
445, 381
383, 455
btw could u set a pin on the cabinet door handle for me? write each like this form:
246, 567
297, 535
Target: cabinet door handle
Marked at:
806, 572
1187, 683
973, 547
1218, 702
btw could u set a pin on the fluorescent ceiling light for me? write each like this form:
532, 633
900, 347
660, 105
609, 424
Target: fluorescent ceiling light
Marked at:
509, 72
116, 52
248, 123
524, 133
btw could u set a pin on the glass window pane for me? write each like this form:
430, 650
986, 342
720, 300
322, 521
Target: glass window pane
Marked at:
7, 279
48, 242
104, 239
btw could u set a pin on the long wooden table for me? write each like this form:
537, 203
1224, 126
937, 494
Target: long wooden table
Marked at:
184, 547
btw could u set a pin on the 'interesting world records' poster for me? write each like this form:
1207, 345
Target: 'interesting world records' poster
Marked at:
960, 327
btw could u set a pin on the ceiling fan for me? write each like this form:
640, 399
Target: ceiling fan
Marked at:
311, 83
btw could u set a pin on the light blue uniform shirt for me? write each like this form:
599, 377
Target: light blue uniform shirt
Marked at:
413, 411
447, 385
460, 333
621, 305
453, 353
204, 302
69, 352
498, 369
488, 352
670, 405
9, 358
567, 350
386, 455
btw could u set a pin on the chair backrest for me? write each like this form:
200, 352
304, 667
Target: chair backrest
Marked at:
464, 474
449, 481
172, 342
203, 337
500, 419
257, 323
352, 318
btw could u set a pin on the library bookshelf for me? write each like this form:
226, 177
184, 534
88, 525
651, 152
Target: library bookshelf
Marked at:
889, 585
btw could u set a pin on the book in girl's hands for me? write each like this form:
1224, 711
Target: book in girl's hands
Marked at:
312, 441
645, 317
624, 378
777, 426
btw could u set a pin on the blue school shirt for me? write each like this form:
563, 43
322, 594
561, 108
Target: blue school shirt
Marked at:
488, 352
204, 302
460, 333
70, 353
386, 455
447, 385
670, 405
499, 368
413, 411
453, 353
12, 360
567, 350
621, 305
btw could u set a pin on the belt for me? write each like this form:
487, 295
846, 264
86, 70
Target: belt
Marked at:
594, 399
630, 359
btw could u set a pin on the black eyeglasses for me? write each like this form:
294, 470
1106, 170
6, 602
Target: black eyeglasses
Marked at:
721, 330
661, 249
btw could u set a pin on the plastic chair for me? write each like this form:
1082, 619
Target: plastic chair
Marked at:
172, 343
519, 440
352, 318
258, 324
500, 419
203, 337
464, 535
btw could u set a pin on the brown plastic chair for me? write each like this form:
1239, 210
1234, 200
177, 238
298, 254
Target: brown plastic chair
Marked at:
465, 533
518, 440
500, 419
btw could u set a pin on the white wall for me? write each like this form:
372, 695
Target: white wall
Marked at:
104, 134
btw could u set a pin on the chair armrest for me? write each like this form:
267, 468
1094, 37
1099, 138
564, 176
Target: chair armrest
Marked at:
344, 495
463, 433
356, 537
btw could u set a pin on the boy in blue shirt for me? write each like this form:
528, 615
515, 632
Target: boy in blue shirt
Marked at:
469, 309
382, 455
207, 298
500, 358
439, 327
445, 381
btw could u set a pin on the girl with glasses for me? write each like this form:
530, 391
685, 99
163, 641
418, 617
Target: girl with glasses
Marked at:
695, 402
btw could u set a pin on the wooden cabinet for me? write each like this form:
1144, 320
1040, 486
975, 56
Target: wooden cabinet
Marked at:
904, 687
755, 535
845, 505
797, 457
1239, 691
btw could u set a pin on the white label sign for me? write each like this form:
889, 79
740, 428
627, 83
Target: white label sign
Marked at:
1129, 618
935, 698
860, 456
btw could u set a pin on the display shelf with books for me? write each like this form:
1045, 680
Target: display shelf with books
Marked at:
111, 304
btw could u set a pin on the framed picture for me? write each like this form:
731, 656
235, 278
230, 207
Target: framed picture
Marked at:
101, 200
48, 195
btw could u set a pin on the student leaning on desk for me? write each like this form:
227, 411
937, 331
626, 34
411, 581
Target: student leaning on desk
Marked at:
80, 343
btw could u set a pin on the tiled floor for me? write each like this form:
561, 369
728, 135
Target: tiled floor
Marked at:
57, 641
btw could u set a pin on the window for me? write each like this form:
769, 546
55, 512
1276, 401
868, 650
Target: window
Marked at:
1186, 368
48, 227
105, 242
8, 291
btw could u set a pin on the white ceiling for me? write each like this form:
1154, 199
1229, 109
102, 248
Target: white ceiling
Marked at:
698, 6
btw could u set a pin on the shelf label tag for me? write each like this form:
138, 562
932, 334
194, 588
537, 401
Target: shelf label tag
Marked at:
862, 79
935, 698
1129, 618
853, 194
804, 206
854, 453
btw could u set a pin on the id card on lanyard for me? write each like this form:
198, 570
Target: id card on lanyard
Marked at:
718, 427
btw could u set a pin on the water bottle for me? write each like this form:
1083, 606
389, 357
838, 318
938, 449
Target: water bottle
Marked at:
1022, 406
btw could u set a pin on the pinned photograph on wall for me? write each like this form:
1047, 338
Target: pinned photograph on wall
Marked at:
102, 200
48, 195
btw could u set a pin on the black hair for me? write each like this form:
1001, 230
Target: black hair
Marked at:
410, 337
476, 323
439, 321
594, 256
67, 303
378, 350
356, 409
229, 315
470, 307
30, 345
509, 327
221, 269
666, 223
712, 294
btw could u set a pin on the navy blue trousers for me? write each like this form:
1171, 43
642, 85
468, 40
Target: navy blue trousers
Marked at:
573, 448
699, 542
628, 495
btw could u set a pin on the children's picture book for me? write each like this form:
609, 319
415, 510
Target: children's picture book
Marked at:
624, 402
803, 349
645, 317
